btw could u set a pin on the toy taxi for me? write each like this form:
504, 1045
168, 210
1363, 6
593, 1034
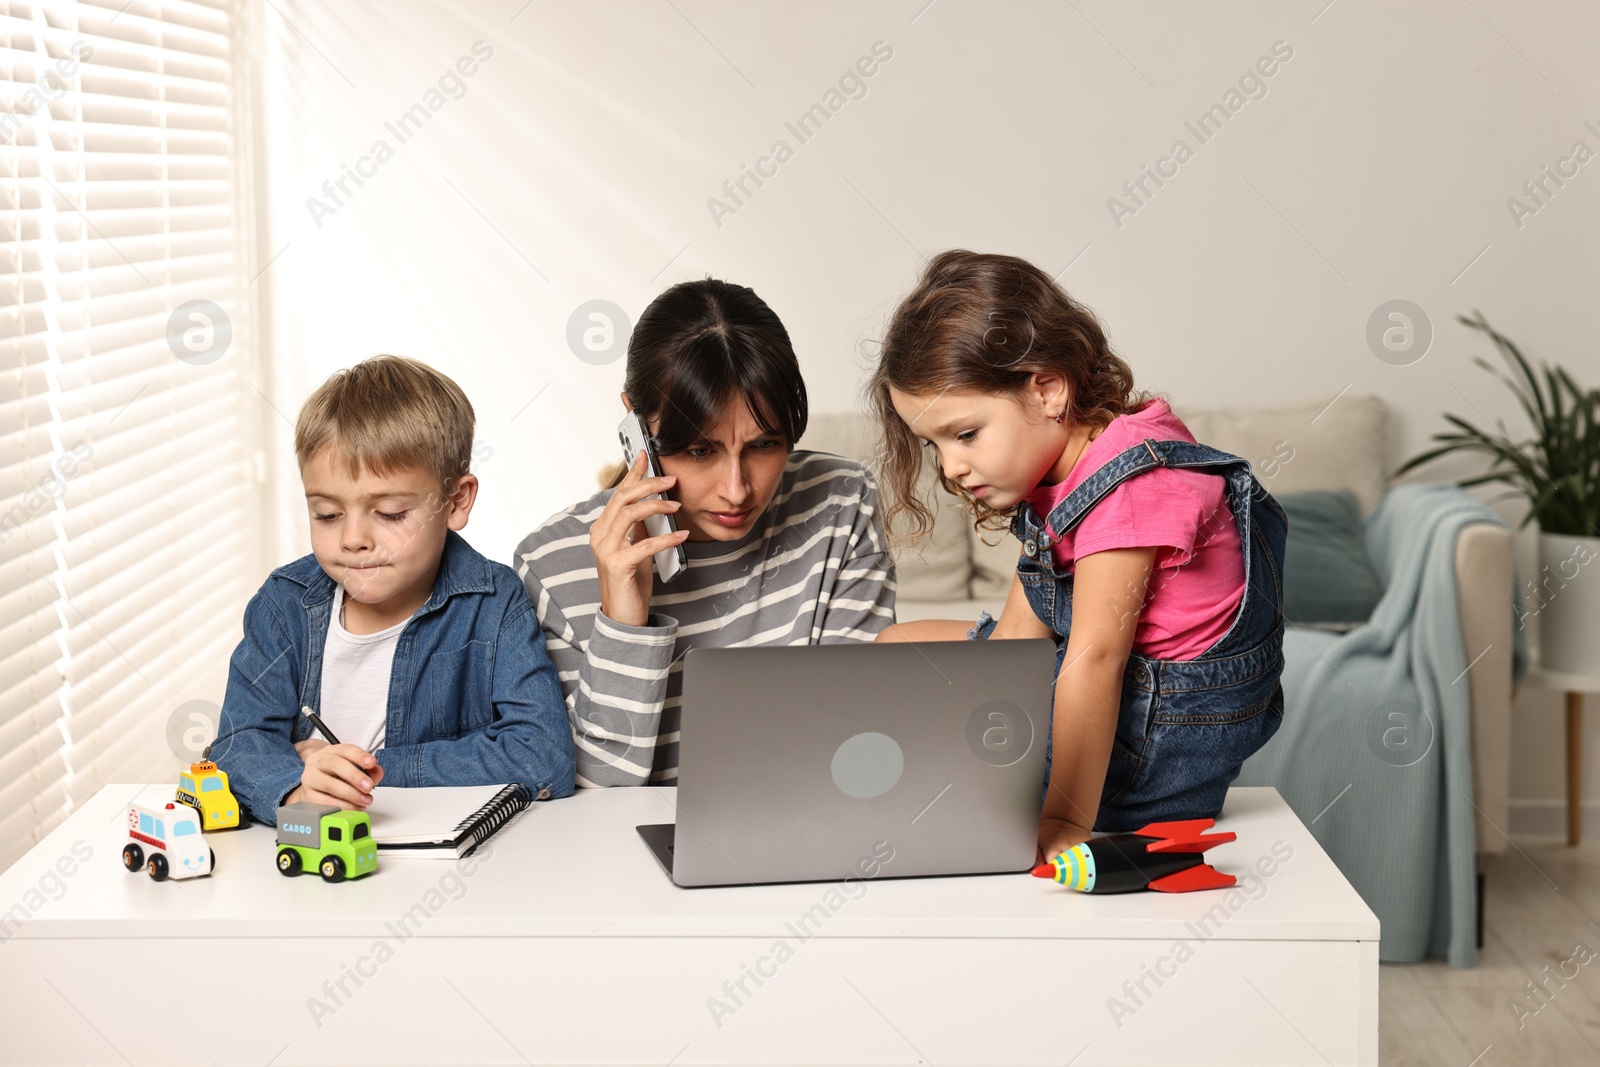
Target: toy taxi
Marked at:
205, 789
336, 843
166, 841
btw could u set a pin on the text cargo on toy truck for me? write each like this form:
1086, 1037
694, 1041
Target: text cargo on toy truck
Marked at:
336, 843
170, 836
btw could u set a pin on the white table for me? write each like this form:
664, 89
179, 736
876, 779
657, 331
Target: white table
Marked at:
566, 943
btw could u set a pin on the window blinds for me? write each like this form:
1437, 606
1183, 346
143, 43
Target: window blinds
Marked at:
126, 498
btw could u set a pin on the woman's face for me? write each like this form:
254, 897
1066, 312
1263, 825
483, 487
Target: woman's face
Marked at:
727, 477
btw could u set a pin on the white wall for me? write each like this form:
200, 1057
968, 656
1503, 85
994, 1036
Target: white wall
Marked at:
579, 161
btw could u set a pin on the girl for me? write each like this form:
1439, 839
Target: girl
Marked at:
1154, 561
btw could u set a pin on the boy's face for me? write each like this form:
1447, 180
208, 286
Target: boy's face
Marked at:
381, 538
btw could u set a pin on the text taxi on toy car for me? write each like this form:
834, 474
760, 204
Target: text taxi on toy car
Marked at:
205, 789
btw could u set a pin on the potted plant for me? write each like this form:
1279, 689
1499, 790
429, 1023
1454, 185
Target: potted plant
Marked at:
1557, 471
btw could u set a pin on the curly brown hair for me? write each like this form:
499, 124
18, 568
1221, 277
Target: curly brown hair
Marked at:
984, 323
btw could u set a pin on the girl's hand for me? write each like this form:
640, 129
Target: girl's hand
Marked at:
1108, 590
1057, 836
342, 775
626, 570
1017, 618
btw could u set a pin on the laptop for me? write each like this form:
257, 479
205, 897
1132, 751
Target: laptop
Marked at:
823, 762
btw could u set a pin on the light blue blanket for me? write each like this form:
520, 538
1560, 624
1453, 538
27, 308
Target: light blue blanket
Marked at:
1375, 751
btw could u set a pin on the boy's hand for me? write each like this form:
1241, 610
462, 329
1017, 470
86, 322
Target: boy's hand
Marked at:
308, 746
1057, 836
343, 775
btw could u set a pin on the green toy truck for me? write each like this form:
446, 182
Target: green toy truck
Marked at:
332, 841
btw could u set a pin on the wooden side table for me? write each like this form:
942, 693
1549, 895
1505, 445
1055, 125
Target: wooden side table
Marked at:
1574, 686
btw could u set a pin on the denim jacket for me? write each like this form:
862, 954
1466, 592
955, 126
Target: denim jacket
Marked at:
473, 696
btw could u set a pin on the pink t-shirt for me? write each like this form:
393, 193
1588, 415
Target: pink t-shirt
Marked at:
1199, 565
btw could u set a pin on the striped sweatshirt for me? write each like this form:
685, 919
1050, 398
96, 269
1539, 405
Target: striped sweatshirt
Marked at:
814, 569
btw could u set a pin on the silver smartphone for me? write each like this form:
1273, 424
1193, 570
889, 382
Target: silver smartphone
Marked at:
670, 562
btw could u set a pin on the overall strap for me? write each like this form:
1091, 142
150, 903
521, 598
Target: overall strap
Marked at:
1136, 459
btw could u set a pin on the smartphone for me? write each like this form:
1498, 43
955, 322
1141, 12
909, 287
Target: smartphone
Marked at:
670, 562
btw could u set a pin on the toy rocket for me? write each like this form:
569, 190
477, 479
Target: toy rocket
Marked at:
1164, 856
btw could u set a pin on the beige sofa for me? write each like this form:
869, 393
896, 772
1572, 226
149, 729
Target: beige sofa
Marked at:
1331, 442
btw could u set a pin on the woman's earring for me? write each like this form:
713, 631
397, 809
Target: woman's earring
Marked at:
1061, 415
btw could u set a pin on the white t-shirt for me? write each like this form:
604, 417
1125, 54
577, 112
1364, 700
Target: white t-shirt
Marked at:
355, 680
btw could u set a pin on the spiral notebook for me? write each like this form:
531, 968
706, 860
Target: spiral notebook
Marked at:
446, 822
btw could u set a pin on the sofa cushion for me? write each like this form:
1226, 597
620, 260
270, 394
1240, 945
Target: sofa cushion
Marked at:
938, 567
1328, 581
1333, 442
964, 610
994, 563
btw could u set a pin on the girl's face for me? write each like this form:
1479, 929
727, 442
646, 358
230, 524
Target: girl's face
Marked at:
998, 448
727, 478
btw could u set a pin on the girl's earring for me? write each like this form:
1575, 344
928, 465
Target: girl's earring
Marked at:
1062, 415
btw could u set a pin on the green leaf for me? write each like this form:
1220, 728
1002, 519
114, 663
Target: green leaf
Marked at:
1557, 469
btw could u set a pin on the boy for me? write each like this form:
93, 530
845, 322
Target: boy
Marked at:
424, 659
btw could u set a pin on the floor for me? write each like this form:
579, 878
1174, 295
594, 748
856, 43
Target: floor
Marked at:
1542, 911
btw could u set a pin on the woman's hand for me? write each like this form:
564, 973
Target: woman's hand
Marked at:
1057, 836
342, 775
623, 555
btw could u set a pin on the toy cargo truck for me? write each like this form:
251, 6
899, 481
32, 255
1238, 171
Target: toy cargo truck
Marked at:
336, 843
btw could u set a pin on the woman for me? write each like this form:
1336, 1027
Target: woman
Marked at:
784, 547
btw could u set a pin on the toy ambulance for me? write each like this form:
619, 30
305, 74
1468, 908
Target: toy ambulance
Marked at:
336, 843
170, 836
205, 789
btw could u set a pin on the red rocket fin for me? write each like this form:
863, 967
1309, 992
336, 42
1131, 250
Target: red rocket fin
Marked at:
1203, 876
1184, 828
1188, 835
1198, 843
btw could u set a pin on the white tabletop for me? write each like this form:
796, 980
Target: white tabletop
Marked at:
576, 867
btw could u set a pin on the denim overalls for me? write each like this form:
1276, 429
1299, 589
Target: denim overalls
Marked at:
1185, 726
